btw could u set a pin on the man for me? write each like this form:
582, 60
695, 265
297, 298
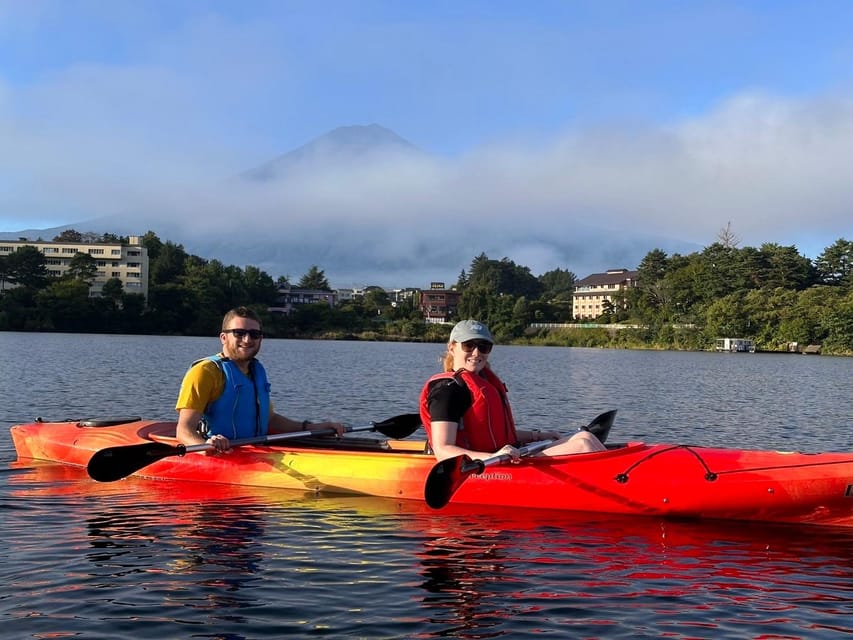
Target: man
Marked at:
227, 396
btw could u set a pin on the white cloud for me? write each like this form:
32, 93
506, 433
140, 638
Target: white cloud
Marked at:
96, 141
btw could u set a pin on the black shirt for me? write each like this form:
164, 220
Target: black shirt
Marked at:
448, 400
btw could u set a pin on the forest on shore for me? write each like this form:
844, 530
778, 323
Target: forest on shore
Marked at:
771, 294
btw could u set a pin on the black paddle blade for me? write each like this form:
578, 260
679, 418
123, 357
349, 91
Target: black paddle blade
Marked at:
600, 427
115, 463
446, 477
399, 427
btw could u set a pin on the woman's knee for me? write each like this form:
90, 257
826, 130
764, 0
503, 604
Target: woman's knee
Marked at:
588, 441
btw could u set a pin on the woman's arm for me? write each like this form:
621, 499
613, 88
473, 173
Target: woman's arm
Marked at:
444, 444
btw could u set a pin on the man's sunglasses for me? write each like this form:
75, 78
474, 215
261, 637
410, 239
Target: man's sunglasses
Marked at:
484, 346
254, 334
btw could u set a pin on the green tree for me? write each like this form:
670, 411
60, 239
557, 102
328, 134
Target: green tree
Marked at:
651, 299
716, 272
558, 284
315, 279
82, 267
835, 264
727, 317
168, 264
653, 267
113, 238
259, 286
153, 244
839, 326
474, 303
787, 268
67, 306
172, 308
113, 290
804, 321
376, 301
520, 318
765, 309
27, 267
504, 277
212, 289
19, 310
462, 281
69, 235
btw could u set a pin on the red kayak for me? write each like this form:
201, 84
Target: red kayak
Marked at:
671, 480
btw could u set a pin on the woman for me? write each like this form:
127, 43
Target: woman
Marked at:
466, 410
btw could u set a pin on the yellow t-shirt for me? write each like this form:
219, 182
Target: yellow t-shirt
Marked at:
202, 384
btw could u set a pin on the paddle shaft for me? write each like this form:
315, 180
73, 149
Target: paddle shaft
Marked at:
602, 423
478, 466
114, 463
275, 437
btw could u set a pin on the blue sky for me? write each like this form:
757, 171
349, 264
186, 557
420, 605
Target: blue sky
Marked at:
670, 118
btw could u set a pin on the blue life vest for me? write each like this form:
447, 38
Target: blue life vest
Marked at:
243, 409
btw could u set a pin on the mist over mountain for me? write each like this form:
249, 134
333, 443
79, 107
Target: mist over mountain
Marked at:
370, 208
337, 148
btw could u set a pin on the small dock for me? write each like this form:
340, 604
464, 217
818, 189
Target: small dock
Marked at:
735, 345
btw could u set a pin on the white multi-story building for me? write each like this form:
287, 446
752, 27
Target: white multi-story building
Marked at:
593, 294
127, 262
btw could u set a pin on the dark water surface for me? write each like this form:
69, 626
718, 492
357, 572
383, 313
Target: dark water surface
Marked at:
144, 559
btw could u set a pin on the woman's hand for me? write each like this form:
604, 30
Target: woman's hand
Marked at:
510, 451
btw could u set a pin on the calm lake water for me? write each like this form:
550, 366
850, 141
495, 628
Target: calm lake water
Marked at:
144, 559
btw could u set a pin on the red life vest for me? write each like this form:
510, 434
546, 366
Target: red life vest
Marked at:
488, 423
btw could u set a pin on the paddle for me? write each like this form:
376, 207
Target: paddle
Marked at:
114, 463
600, 427
448, 475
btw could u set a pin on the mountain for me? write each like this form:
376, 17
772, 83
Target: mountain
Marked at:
339, 147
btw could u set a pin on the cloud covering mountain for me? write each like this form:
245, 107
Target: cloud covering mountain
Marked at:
368, 207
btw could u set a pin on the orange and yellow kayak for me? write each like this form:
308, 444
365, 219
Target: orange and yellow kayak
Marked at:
634, 478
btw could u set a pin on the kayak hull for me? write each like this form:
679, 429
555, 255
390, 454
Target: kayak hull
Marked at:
670, 480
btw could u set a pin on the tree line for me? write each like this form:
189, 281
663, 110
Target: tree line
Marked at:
771, 294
